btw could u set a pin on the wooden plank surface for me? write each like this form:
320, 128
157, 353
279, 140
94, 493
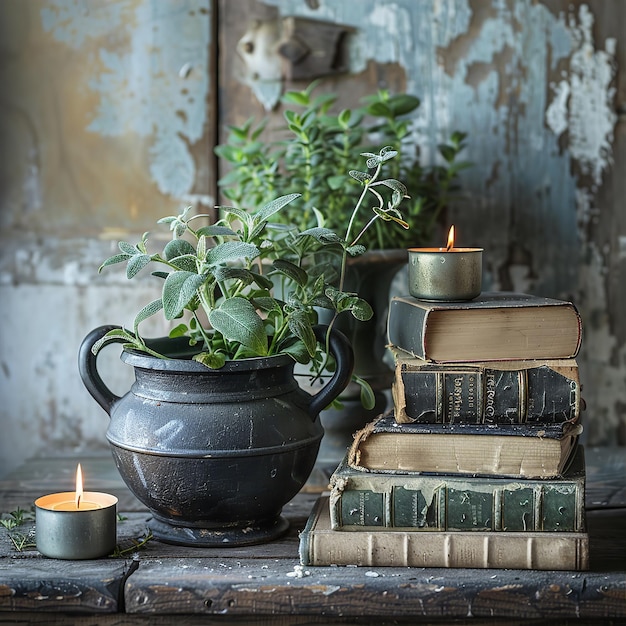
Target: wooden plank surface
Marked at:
227, 587
266, 581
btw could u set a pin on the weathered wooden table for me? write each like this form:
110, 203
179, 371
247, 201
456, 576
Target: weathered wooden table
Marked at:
265, 585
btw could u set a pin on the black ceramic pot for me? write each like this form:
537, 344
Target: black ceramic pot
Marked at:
214, 454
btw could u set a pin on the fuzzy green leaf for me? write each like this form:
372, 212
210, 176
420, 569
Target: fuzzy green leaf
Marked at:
396, 185
178, 247
267, 304
231, 250
323, 235
149, 310
212, 360
368, 399
266, 211
224, 272
186, 262
362, 177
291, 270
178, 331
357, 250
136, 264
262, 281
238, 321
243, 216
178, 290
216, 231
297, 351
361, 309
117, 258
127, 248
300, 325
117, 335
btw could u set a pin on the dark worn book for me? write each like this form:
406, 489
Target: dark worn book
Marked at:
494, 326
423, 502
518, 450
491, 392
381, 547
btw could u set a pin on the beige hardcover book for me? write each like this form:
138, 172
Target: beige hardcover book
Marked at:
321, 545
523, 450
493, 326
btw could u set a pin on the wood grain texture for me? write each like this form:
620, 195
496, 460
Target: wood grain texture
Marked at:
264, 584
239, 588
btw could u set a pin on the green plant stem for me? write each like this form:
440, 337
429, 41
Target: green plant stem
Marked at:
205, 336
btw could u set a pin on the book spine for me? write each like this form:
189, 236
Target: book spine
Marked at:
427, 504
534, 551
405, 327
473, 395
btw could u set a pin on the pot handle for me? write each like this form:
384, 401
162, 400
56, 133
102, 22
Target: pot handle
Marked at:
88, 369
342, 351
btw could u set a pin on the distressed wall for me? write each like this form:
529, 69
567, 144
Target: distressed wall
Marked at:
106, 125
107, 122
539, 86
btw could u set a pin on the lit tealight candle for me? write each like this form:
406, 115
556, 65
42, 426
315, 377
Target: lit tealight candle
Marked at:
448, 273
76, 524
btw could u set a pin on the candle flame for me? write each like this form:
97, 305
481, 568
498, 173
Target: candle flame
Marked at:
450, 238
79, 485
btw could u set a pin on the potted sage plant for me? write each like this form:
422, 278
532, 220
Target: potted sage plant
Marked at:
216, 435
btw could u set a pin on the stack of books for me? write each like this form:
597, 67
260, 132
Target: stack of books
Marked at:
479, 464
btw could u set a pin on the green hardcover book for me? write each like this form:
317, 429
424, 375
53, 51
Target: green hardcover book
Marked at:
425, 502
321, 545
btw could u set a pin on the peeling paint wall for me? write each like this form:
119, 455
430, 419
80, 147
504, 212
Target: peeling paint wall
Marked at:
106, 119
106, 125
539, 88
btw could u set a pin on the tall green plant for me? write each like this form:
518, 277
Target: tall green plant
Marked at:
314, 152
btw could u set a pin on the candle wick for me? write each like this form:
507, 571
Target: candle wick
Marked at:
449, 246
78, 501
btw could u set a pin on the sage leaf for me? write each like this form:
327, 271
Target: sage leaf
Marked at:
150, 309
212, 360
266, 211
116, 335
231, 250
224, 272
179, 289
362, 177
128, 248
136, 264
394, 184
297, 351
117, 258
186, 262
238, 321
178, 247
291, 270
323, 235
216, 231
300, 325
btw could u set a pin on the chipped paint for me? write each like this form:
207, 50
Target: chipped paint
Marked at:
533, 89
535, 92
583, 102
156, 86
